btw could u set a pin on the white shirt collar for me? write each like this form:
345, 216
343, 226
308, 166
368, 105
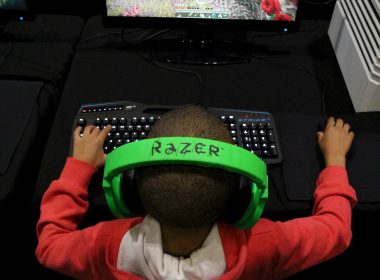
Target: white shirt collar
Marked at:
141, 253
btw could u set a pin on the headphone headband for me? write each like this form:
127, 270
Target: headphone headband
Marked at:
191, 151
185, 150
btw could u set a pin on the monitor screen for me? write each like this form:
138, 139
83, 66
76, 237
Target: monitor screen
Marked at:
203, 21
252, 14
14, 10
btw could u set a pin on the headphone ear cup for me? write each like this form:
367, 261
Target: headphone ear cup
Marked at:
130, 193
239, 202
255, 207
112, 193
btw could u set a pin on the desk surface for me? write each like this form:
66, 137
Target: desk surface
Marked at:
283, 85
39, 54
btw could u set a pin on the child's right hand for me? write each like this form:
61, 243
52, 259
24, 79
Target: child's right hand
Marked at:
89, 146
335, 142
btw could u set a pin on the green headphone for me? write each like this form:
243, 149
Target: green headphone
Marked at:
186, 150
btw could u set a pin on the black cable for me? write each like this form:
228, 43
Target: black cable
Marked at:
122, 33
188, 72
140, 40
150, 37
200, 100
156, 33
99, 37
319, 4
143, 39
302, 69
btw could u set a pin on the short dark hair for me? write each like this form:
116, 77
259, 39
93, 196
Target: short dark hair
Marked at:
186, 195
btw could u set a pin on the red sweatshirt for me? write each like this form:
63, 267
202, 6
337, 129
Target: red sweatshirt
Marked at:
269, 250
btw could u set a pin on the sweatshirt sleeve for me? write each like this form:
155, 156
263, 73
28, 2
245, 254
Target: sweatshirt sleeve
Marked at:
305, 242
61, 246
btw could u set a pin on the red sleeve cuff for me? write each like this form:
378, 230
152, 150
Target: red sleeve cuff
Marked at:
333, 180
331, 172
77, 172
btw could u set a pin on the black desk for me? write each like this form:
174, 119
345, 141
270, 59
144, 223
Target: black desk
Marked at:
103, 71
33, 69
285, 86
40, 51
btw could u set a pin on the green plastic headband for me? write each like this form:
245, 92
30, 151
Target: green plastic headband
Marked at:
186, 150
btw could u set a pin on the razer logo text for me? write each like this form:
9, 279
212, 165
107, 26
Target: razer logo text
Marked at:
184, 148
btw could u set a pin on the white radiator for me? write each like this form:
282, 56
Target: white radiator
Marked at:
354, 32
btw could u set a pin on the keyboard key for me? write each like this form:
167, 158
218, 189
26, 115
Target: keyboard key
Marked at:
106, 121
255, 139
273, 150
265, 153
256, 146
245, 133
246, 139
82, 122
270, 136
119, 142
263, 139
260, 126
262, 132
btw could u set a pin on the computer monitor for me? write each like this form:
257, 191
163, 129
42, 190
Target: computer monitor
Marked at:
14, 10
201, 18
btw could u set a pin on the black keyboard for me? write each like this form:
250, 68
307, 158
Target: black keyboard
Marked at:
131, 121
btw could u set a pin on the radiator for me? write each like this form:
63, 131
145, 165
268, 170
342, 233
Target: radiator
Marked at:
354, 33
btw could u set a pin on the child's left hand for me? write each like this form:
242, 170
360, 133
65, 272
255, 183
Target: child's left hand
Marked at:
89, 146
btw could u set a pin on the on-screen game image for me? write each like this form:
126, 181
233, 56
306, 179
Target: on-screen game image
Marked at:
279, 10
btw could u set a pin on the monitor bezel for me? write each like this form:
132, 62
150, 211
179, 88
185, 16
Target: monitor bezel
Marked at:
235, 24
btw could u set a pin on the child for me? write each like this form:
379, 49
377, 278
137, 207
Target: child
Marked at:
184, 236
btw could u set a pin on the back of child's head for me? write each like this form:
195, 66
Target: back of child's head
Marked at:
187, 195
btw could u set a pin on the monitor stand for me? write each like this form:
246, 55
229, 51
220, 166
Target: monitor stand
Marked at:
202, 46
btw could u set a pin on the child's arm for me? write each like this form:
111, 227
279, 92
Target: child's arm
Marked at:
60, 245
305, 242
